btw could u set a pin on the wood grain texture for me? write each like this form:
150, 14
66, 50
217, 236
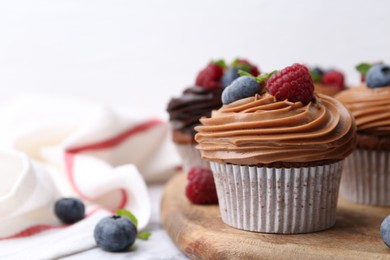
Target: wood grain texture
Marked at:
200, 233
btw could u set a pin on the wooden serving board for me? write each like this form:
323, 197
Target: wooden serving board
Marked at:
200, 233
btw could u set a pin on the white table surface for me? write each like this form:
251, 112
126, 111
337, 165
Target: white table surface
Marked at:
159, 246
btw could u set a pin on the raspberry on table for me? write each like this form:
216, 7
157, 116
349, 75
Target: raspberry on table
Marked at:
293, 83
210, 77
201, 187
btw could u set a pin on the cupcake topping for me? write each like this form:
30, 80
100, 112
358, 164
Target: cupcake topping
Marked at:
195, 102
329, 78
363, 68
378, 76
370, 108
245, 86
210, 77
231, 73
240, 88
292, 83
288, 124
262, 130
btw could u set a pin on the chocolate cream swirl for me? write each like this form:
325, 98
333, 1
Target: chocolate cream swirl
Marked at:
260, 130
195, 102
370, 107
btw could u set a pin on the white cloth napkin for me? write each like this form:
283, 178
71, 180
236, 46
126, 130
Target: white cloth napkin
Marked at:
56, 148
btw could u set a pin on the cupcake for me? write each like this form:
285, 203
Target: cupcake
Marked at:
366, 177
276, 150
328, 82
198, 101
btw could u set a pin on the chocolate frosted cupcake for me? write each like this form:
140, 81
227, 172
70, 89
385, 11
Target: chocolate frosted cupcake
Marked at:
366, 177
328, 82
196, 102
277, 153
184, 113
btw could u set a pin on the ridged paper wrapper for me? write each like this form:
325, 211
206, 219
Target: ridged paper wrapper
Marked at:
278, 200
366, 177
191, 157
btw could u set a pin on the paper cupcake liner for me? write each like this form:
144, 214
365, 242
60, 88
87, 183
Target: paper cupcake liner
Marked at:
191, 157
272, 200
366, 177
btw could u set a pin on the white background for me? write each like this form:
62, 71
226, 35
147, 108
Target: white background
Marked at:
138, 54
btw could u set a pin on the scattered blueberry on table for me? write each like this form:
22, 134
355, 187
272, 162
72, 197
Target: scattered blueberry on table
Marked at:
69, 210
115, 233
118, 233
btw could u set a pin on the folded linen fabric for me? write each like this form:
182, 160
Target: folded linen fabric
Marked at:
59, 148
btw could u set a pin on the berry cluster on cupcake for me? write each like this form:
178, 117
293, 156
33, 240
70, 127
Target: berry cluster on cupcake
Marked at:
328, 82
363, 68
366, 178
276, 149
231, 73
198, 101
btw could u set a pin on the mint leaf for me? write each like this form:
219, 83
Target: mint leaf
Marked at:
245, 73
221, 63
241, 66
144, 235
235, 62
363, 68
315, 76
128, 214
262, 79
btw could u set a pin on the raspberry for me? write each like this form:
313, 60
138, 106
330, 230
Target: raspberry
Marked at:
293, 83
201, 187
333, 78
210, 77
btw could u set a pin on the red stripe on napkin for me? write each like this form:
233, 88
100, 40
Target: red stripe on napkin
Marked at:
40, 228
105, 144
69, 163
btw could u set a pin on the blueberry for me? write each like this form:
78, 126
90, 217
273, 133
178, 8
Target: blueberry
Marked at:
69, 210
229, 75
378, 76
242, 87
318, 70
385, 231
115, 233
